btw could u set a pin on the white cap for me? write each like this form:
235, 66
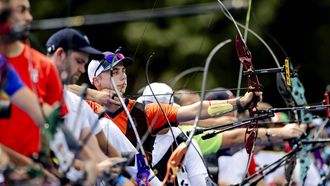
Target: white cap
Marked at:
92, 66
162, 91
96, 67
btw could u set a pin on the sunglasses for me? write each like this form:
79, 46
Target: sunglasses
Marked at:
109, 60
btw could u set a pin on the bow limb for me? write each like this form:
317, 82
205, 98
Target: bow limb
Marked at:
177, 157
298, 94
287, 96
184, 73
237, 24
160, 107
261, 40
295, 97
251, 133
131, 121
296, 82
144, 30
247, 23
208, 61
142, 177
226, 12
245, 58
247, 20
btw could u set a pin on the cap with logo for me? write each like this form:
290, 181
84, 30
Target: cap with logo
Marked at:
71, 39
96, 67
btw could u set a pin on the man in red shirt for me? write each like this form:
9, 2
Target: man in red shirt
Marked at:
10, 83
19, 132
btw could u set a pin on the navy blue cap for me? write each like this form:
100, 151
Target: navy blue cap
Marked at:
71, 39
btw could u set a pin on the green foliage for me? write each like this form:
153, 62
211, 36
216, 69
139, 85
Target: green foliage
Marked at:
184, 42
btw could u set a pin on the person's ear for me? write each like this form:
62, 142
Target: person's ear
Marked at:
63, 56
96, 82
60, 54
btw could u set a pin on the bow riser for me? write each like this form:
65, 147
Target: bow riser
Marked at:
326, 102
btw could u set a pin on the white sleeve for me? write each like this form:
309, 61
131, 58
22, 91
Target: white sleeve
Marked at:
115, 136
264, 158
198, 180
91, 119
195, 166
232, 168
122, 144
196, 172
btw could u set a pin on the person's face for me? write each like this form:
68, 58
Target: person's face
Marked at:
76, 61
21, 14
118, 75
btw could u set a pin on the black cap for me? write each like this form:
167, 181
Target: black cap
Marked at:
71, 39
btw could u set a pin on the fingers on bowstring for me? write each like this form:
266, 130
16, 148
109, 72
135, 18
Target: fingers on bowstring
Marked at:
115, 95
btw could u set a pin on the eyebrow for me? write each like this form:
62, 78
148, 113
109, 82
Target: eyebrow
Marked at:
80, 58
117, 68
23, 7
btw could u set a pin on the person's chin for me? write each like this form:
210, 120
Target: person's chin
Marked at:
74, 79
123, 89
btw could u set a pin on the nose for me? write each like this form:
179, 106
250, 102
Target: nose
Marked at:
82, 68
123, 76
28, 17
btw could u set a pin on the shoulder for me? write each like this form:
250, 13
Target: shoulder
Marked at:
94, 106
71, 100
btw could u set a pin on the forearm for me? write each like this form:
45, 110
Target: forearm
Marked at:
106, 147
76, 89
233, 137
212, 122
271, 135
214, 108
87, 154
21, 160
93, 145
236, 136
275, 134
